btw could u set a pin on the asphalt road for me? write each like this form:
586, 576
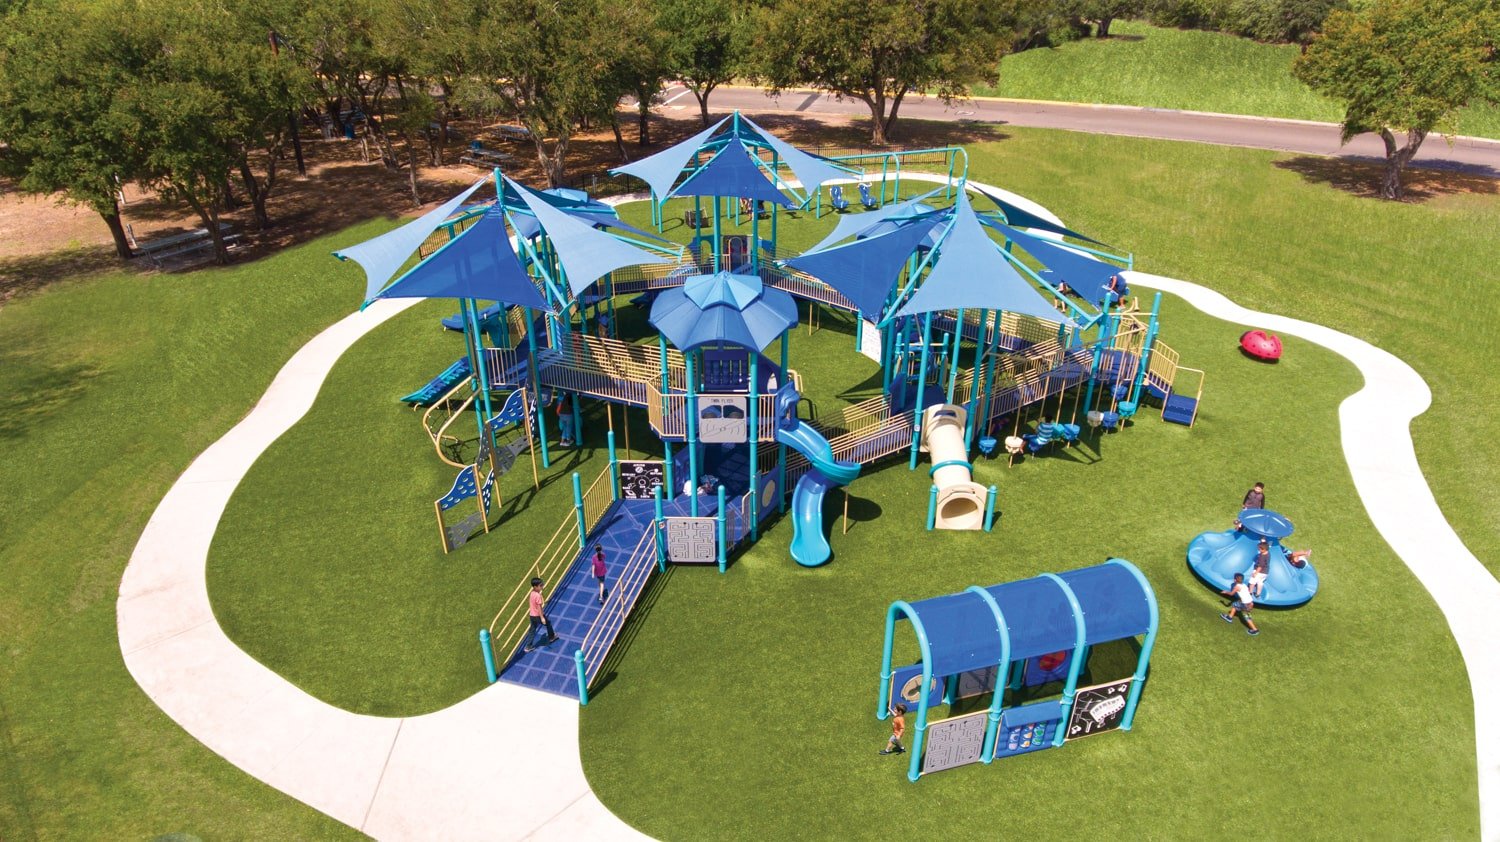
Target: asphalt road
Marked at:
1470, 155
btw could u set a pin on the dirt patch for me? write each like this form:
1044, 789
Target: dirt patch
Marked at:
44, 239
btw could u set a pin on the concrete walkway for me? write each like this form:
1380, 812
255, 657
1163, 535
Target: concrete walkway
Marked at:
467, 772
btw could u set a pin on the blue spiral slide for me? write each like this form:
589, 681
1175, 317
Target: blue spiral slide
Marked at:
809, 547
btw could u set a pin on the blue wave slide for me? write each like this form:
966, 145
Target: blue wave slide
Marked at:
809, 547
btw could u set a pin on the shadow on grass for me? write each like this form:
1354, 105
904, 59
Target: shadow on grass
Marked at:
1362, 177
44, 390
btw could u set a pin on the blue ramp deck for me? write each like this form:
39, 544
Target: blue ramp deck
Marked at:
574, 606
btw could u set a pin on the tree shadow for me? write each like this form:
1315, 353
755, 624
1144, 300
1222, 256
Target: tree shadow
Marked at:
1361, 176
42, 390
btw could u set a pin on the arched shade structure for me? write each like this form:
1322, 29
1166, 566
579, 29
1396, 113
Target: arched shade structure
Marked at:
477, 264
723, 308
1001, 625
586, 253
382, 256
971, 272
735, 169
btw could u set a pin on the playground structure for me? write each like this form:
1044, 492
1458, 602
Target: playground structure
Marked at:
721, 399
998, 641
1216, 556
1260, 345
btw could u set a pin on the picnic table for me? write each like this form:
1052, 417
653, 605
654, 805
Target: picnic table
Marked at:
160, 250
513, 132
479, 156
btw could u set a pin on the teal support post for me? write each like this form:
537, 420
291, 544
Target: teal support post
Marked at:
583, 680
718, 247
667, 465
536, 387
1002, 668
916, 411
583, 530
958, 341
754, 505
692, 429
786, 377
488, 651
474, 362
931, 508
859, 331
659, 523
723, 531
976, 383
1143, 662
614, 467
989, 508
775, 214
1150, 343
577, 422
1070, 687
1088, 399
950, 690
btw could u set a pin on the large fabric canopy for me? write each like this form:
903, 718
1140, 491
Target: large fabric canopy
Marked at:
865, 270
586, 253
1084, 274
479, 264
382, 256
852, 224
970, 272
661, 171
733, 173
811, 170
723, 307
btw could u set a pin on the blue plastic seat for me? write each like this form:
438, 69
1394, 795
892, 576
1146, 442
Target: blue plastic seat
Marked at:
836, 195
865, 198
987, 445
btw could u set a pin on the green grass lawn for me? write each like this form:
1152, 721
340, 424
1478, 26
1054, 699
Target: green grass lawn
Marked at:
111, 387
327, 568
1186, 69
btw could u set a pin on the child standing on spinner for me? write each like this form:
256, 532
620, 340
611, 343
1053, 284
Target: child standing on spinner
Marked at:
898, 730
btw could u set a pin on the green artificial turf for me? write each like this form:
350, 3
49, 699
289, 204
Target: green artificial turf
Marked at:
1187, 69
110, 388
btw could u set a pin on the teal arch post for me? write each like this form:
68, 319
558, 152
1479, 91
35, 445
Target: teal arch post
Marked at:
583, 532
1144, 661
659, 523
1070, 688
488, 651
692, 430
882, 701
1002, 669
1146, 348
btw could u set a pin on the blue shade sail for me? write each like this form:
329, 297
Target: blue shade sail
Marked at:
478, 264
1083, 273
722, 318
1026, 219
586, 253
661, 171
865, 270
733, 173
811, 170
970, 272
852, 224
382, 256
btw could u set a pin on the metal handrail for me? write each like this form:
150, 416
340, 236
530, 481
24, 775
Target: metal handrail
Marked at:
632, 582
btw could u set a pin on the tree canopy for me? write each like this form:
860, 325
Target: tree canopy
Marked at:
1405, 67
878, 53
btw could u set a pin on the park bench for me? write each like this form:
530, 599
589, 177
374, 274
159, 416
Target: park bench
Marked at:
516, 133
159, 251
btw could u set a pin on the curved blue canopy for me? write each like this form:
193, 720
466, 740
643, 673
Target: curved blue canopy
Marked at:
723, 307
962, 632
382, 256
970, 272
479, 263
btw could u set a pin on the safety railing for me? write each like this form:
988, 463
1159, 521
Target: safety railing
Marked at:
667, 413
510, 624
442, 413
597, 499
622, 598
505, 366
1161, 373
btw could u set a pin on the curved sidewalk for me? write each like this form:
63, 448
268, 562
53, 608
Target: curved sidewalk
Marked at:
457, 774
465, 772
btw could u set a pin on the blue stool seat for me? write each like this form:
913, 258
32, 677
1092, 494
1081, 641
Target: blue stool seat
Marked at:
987, 445
1110, 420
1068, 432
1127, 409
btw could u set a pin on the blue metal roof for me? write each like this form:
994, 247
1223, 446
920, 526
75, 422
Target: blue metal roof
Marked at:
1115, 606
962, 632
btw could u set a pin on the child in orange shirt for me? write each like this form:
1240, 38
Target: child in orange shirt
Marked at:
898, 730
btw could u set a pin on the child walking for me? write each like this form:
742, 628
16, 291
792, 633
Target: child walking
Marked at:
1242, 604
536, 614
898, 730
599, 572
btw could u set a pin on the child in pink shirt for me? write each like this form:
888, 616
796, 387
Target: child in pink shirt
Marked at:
536, 613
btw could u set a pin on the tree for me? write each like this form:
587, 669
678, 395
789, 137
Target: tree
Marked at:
707, 43
1294, 21
61, 67
878, 52
548, 62
1407, 67
1102, 13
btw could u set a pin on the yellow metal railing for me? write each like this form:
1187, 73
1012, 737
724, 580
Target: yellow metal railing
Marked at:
611, 618
597, 499
510, 624
444, 410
